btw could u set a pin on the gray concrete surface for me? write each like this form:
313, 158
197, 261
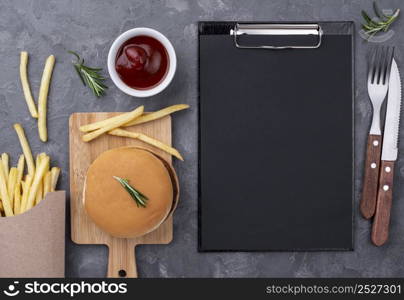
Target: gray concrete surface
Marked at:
88, 27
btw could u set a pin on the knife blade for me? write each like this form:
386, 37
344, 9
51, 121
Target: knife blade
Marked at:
380, 229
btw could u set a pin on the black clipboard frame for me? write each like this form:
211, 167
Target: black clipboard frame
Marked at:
329, 27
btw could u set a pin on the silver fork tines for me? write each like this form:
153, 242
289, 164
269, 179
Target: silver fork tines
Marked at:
378, 79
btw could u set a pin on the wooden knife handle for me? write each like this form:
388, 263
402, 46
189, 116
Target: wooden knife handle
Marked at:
371, 178
380, 230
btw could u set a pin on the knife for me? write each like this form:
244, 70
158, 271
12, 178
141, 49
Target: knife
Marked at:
380, 229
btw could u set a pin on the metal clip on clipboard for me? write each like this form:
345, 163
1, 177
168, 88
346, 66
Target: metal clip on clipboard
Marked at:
275, 31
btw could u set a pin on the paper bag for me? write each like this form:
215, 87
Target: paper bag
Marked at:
33, 244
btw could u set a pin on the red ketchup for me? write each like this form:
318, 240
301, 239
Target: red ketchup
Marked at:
142, 62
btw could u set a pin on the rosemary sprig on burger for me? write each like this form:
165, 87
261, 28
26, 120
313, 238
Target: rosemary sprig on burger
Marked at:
139, 198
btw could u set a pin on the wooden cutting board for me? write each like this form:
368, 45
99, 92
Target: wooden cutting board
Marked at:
121, 260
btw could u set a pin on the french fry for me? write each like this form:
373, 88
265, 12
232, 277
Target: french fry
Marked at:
8, 210
43, 156
25, 84
115, 123
20, 168
47, 183
39, 193
5, 176
12, 180
139, 120
25, 148
160, 145
25, 192
20, 173
148, 140
157, 115
23, 196
37, 181
1, 204
38, 159
105, 122
5, 161
38, 196
43, 98
17, 199
55, 171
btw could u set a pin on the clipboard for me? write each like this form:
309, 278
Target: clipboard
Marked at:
276, 139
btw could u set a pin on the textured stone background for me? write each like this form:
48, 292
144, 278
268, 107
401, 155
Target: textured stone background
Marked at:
45, 27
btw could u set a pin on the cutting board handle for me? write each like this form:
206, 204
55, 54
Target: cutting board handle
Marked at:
121, 259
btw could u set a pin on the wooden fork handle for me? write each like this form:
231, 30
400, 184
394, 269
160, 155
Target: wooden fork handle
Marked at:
371, 177
380, 229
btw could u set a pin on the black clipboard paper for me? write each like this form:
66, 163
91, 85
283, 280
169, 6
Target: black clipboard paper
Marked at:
275, 143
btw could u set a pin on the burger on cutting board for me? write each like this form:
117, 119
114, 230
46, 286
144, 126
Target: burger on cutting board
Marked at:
129, 191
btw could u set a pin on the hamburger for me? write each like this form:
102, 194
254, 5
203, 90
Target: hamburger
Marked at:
111, 205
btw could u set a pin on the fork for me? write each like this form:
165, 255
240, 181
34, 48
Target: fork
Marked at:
378, 75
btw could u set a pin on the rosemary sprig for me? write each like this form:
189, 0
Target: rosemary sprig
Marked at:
139, 198
90, 77
383, 22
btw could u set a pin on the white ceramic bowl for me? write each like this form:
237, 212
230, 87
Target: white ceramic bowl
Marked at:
112, 59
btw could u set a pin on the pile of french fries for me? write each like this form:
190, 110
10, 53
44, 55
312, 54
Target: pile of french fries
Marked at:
40, 112
19, 193
115, 125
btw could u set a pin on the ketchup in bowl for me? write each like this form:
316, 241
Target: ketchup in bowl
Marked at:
142, 62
